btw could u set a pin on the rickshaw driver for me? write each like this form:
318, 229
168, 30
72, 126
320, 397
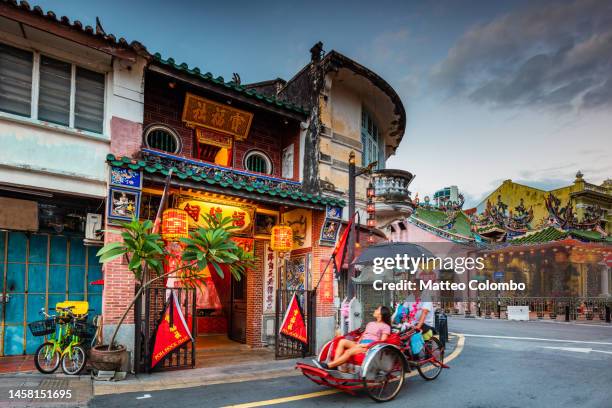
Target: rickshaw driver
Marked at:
377, 330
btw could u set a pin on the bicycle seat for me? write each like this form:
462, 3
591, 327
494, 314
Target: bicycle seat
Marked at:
78, 308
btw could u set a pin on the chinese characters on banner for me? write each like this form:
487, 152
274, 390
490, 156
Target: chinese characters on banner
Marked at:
269, 294
172, 331
293, 324
202, 112
326, 287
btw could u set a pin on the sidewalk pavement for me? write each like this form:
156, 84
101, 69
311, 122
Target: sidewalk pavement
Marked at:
40, 390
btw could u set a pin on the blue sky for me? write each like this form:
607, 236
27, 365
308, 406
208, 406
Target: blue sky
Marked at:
493, 90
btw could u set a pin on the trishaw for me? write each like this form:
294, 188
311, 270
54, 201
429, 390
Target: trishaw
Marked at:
381, 370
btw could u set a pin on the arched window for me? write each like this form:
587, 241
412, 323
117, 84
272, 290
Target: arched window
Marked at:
369, 140
257, 161
162, 138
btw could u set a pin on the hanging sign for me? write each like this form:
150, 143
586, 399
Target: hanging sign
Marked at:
269, 284
242, 216
202, 112
172, 331
293, 324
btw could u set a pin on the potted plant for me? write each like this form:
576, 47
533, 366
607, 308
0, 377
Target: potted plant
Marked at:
209, 246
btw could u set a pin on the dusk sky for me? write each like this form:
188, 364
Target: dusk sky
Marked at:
493, 90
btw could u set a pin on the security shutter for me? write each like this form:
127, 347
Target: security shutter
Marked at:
15, 80
89, 101
54, 94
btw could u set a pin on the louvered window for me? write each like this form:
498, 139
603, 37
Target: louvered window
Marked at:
62, 92
370, 141
54, 93
15, 80
89, 100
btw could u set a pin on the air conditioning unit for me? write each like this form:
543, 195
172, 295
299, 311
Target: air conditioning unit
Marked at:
93, 229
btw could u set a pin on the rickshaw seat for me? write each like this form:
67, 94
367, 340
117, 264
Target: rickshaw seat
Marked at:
357, 359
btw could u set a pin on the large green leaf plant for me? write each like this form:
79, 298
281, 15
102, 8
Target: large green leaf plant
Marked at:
208, 246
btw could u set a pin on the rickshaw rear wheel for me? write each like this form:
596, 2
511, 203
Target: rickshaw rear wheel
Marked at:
385, 374
430, 371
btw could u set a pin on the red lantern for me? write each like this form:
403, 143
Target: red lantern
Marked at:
281, 238
371, 208
370, 191
175, 224
372, 222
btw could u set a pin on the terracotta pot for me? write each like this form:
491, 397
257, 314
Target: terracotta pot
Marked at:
103, 359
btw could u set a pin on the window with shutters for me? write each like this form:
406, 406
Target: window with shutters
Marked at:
162, 138
16, 80
41, 87
370, 140
258, 162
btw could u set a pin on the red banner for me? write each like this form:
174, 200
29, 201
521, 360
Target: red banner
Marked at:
171, 332
293, 324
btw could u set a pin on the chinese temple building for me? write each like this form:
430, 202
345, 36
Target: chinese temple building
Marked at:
558, 242
236, 152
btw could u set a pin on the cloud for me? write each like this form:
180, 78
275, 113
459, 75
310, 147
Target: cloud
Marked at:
550, 55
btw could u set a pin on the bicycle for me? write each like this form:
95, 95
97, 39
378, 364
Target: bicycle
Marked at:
66, 346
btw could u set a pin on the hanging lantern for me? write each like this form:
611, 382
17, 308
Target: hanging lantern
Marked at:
282, 238
371, 208
175, 224
372, 222
370, 191
370, 239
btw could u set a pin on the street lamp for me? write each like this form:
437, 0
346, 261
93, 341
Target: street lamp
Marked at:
353, 173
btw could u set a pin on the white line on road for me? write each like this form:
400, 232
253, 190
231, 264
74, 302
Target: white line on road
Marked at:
578, 349
145, 396
537, 339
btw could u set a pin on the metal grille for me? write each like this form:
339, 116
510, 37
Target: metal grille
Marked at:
554, 308
256, 162
286, 347
147, 316
162, 139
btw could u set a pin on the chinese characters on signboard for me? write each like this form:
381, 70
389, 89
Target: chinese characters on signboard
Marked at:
202, 112
242, 216
269, 285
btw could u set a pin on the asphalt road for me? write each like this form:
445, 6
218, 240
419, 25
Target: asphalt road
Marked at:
503, 364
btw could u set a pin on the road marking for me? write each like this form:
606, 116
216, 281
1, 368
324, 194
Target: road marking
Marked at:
452, 356
579, 350
537, 339
145, 396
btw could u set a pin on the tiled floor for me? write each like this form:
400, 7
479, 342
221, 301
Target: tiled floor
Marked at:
218, 350
15, 364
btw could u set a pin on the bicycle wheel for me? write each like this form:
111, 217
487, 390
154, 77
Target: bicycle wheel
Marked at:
384, 377
73, 363
429, 370
46, 358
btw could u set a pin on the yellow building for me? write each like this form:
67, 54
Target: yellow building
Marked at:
582, 195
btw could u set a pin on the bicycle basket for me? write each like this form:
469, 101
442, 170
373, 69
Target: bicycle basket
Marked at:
43, 327
84, 330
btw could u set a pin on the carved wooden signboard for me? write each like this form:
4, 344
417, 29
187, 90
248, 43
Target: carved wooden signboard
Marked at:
202, 112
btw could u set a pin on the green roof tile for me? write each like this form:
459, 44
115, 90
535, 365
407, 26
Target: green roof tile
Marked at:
238, 88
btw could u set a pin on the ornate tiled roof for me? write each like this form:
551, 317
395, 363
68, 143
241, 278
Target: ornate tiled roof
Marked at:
454, 226
249, 92
235, 181
549, 234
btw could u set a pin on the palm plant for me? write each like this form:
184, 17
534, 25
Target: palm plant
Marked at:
209, 246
